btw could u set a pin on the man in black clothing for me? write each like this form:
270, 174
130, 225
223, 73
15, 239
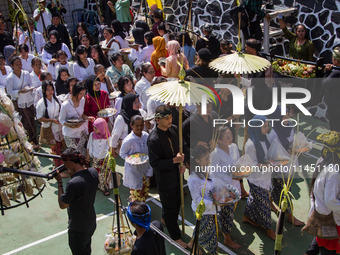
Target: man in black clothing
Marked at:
199, 129
148, 242
256, 15
54, 8
165, 159
201, 71
210, 42
61, 29
78, 199
5, 37
332, 92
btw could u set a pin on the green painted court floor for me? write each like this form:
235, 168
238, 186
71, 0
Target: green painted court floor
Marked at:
41, 229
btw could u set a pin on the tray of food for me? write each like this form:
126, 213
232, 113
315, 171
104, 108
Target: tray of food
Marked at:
162, 61
130, 39
242, 172
225, 195
75, 122
137, 159
126, 50
114, 95
27, 89
279, 162
107, 112
133, 45
293, 69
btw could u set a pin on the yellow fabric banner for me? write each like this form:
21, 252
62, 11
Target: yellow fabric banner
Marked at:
158, 2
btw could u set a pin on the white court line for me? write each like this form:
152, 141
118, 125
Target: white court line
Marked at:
65, 231
188, 223
50, 237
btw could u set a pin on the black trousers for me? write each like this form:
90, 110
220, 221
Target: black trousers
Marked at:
253, 31
314, 249
171, 203
80, 243
333, 117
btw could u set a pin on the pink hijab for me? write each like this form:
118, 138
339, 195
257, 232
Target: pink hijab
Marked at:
173, 47
101, 125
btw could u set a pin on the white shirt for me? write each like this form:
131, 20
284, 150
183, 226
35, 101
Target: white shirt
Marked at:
222, 159
152, 106
123, 43
327, 192
121, 129
47, 16
69, 68
98, 148
68, 111
51, 70
133, 175
118, 105
196, 185
113, 48
38, 41
3, 77
274, 138
53, 109
142, 55
145, 55
38, 95
257, 178
36, 82
273, 135
103, 86
15, 84
27, 63
82, 73
46, 57
141, 86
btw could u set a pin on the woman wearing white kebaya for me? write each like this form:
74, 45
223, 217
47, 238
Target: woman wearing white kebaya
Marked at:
84, 66
48, 109
75, 134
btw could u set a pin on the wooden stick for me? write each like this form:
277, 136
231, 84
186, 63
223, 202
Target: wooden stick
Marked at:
180, 131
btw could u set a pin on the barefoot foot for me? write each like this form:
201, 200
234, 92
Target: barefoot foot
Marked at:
296, 222
230, 243
271, 234
181, 243
273, 208
246, 219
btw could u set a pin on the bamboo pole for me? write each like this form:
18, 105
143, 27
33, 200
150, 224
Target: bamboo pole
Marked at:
180, 131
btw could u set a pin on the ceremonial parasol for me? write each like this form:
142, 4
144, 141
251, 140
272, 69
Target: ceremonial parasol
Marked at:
239, 62
180, 93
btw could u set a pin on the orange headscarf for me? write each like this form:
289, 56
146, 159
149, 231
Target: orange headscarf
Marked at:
160, 51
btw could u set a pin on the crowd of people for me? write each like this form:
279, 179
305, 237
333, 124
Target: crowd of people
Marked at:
64, 82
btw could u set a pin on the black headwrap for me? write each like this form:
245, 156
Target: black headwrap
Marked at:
89, 86
75, 158
255, 44
51, 48
127, 110
60, 85
138, 34
118, 28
